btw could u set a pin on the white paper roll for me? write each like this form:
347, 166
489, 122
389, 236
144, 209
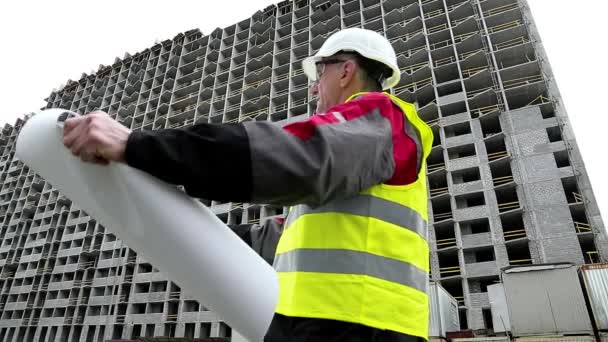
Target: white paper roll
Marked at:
177, 234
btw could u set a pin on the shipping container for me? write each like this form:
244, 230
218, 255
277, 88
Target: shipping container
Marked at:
498, 306
582, 338
444, 311
546, 300
595, 281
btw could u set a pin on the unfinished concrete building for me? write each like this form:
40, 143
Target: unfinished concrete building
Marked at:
507, 183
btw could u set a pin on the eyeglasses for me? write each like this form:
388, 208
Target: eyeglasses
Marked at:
321, 66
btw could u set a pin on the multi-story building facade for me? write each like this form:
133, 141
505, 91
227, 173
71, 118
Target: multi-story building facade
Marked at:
506, 179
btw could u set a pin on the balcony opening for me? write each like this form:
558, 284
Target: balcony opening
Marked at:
554, 133
205, 330
453, 109
144, 268
448, 264
480, 285
470, 200
136, 332
438, 184
476, 226
487, 318
159, 286
466, 175
571, 190
449, 89
142, 288
189, 330
501, 172
454, 288
461, 151
442, 209
507, 199
579, 218
513, 226
445, 237
149, 330
138, 308
519, 254
496, 149
561, 158
436, 136
457, 129
435, 161
155, 307
490, 125
462, 315
590, 254
191, 306
479, 255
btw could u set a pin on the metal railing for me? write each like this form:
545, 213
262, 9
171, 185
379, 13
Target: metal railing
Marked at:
412, 87
502, 180
593, 257
449, 271
432, 122
444, 61
486, 110
511, 42
415, 67
434, 13
438, 191
435, 167
582, 227
502, 207
520, 262
444, 243
497, 155
578, 198
522, 81
505, 26
437, 28
406, 36
514, 234
500, 9
459, 38
442, 216
253, 115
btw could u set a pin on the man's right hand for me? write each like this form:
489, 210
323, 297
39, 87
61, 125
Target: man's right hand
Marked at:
96, 138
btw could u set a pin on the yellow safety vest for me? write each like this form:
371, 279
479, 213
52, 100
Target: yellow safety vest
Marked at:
364, 259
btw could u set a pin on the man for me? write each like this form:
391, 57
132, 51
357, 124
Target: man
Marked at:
352, 259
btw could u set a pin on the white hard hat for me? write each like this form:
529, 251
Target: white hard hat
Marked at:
369, 44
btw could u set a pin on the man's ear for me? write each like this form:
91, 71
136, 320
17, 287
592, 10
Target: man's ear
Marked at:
349, 70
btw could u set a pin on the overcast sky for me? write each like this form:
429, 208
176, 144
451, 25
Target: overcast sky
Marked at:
44, 43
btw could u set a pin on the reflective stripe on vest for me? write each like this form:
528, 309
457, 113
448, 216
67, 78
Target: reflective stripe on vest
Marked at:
363, 259
352, 262
368, 206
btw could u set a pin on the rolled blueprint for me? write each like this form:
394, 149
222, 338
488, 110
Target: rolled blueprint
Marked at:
177, 234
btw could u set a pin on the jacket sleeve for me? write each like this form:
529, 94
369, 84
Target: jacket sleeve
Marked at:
328, 156
262, 238
211, 161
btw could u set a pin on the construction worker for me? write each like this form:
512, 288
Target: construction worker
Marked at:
352, 258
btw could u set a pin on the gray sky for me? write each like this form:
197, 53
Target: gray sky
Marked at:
44, 43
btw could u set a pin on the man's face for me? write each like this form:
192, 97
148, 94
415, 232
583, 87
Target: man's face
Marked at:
327, 86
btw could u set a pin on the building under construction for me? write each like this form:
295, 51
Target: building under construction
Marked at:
506, 179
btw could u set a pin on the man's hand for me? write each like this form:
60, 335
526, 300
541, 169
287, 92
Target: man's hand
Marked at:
96, 138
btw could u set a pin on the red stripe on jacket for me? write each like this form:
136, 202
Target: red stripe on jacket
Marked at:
404, 148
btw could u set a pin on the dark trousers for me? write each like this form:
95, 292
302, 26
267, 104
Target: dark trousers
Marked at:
298, 329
